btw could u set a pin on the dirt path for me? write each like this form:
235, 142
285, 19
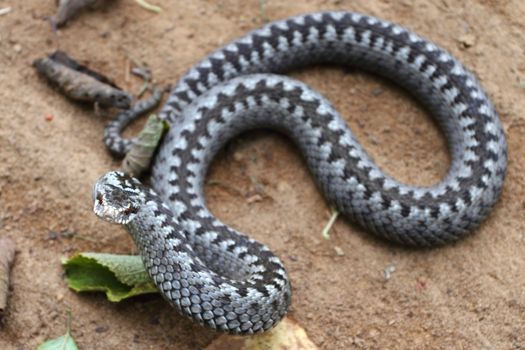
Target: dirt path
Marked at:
467, 296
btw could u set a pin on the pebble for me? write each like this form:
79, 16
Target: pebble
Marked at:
101, 329
359, 342
377, 91
373, 333
283, 186
238, 156
5, 11
154, 320
467, 40
389, 270
254, 198
339, 251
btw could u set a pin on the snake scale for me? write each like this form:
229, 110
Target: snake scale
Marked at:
229, 282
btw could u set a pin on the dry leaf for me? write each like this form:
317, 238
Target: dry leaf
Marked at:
80, 85
287, 335
7, 254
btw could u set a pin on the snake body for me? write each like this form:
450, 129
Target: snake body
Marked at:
229, 282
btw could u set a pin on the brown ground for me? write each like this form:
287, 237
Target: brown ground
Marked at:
470, 295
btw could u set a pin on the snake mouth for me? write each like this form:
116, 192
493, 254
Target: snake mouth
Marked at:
114, 201
117, 214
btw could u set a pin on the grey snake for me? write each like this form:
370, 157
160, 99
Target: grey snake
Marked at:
229, 282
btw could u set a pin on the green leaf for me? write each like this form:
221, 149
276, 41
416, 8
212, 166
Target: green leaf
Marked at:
64, 342
119, 276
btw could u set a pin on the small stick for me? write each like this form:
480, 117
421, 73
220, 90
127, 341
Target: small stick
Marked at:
326, 230
7, 255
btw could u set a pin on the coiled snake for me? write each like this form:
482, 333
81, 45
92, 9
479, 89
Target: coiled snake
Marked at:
229, 282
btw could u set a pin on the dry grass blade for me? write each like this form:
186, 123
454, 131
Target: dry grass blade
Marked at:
148, 6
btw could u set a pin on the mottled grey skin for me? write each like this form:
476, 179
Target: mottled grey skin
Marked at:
224, 95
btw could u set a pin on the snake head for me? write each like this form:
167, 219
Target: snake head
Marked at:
117, 197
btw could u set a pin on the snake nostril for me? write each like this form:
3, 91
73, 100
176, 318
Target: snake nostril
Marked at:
99, 199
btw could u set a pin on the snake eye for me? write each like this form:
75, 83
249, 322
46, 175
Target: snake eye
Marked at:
130, 210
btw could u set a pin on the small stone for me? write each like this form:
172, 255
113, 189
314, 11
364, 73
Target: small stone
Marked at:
5, 11
377, 91
339, 251
359, 342
373, 333
238, 156
101, 329
389, 270
154, 320
254, 198
283, 186
17, 48
467, 40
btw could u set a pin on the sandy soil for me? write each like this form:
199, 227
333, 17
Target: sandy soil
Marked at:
470, 295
